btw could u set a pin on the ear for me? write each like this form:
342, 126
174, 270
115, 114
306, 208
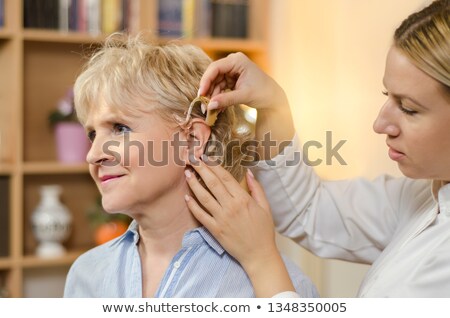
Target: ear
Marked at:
198, 135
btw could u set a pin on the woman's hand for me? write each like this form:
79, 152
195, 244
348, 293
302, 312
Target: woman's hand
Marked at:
242, 223
235, 80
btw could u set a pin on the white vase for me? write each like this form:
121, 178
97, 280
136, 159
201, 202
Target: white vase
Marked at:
51, 222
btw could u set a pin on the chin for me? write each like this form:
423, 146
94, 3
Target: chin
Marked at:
417, 174
111, 206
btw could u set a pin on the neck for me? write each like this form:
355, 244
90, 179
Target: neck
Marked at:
163, 225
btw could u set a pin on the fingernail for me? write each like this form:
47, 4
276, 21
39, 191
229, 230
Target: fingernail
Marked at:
193, 160
203, 106
187, 173
250, 173
199, 91
213, 105
204, 158
186, 198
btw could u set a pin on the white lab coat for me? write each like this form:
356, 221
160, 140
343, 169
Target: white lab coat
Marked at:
392, 223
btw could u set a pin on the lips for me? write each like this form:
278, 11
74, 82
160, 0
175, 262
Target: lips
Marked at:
106, 178
394, 154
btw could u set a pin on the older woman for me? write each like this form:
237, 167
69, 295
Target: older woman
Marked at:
133, 99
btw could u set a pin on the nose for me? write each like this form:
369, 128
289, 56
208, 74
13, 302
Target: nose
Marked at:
99, 153
386, 123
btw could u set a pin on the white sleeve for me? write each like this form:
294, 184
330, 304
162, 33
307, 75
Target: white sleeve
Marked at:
350, 219
287, 294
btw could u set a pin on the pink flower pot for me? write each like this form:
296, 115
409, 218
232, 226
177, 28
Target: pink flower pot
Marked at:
72, 143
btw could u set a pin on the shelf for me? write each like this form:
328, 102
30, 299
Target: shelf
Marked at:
36, 35
5, 263
32, 261
207, 44
224, 44
6, 169
5, 34
36, 168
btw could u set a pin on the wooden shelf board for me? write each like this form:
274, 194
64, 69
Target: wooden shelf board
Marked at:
222, 44
32, 261
60, 36
207, 44
54, 168
5, 263
6, 169
5, 34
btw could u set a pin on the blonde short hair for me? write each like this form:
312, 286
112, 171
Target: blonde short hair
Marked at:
131, 74
424, 37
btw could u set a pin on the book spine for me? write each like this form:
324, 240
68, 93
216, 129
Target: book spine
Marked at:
111, 16
187, 17
229, 18
2, 13
133, 20
82, 16
73, 15
4, 217
93, 17
170, 18
64, 15
202, 23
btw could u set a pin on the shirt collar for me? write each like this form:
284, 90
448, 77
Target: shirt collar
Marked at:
198, 236
441, 193
193, 237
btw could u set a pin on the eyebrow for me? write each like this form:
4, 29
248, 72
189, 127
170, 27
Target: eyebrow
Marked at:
401, 96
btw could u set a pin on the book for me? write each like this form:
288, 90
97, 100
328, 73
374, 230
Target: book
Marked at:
64, 6
229, 18
202, 21
132, 19
170, 18
188, 18
2, 13
111, 16
93, 14
4, 216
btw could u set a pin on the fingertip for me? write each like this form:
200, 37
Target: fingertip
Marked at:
213, 105
201, 91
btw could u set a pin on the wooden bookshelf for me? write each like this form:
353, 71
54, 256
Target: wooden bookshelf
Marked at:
36, 67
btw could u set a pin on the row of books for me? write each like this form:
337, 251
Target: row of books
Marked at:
2, 13
90, 16
176, 18
203, 18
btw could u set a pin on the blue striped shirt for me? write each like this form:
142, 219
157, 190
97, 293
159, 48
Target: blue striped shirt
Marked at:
201, 268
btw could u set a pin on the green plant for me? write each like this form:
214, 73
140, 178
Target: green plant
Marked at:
97, 216
65, 110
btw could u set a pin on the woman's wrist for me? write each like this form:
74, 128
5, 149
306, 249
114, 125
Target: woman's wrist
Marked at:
274, 129
268, 275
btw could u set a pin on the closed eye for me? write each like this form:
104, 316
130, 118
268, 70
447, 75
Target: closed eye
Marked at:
401, 107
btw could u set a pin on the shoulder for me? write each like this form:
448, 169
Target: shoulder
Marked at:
89, 270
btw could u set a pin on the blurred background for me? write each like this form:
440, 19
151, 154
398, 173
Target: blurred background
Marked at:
328, 55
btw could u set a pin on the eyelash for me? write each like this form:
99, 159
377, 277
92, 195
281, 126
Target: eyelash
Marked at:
91, 135
117, 128
402, 109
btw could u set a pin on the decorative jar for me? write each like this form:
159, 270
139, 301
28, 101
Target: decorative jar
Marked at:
51, 222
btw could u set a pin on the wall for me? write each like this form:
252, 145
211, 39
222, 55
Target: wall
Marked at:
329, 56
